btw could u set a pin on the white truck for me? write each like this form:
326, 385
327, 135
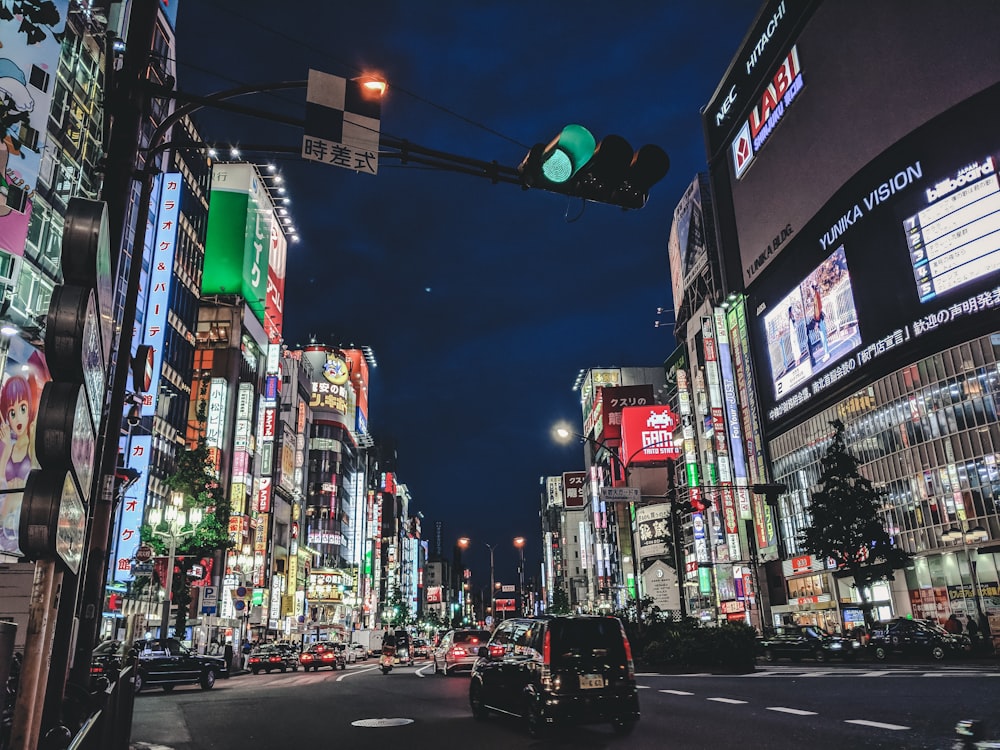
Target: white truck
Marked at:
370, 639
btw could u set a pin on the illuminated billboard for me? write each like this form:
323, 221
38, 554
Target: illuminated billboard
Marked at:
238, 239
902, 261
814, 95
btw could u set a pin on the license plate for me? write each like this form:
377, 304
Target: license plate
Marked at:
591, 681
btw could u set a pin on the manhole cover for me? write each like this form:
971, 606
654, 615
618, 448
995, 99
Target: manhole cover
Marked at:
381, 722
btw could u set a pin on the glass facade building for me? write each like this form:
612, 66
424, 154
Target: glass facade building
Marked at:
928, 437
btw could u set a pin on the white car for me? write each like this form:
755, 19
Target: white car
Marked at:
359, 651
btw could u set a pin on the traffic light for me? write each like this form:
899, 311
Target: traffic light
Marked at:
574, 163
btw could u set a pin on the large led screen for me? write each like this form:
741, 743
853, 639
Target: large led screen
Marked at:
904, 260
814, 326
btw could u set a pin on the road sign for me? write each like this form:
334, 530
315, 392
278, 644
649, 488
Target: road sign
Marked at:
342, 123
621, 494
209, 599
507, 588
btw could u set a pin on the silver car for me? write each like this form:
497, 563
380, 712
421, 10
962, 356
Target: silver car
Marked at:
459, 650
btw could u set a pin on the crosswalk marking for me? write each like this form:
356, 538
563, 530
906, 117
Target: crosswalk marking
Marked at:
730, 701
876, 724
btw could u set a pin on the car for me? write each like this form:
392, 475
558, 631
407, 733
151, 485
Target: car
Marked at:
421, 647
458, 650
269, 657
162, 662
557, 670
797, 642
903, 636
322, 654
360, 652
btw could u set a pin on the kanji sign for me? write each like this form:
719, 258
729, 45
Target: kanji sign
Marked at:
342, 123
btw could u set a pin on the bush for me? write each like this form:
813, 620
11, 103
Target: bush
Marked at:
687, 643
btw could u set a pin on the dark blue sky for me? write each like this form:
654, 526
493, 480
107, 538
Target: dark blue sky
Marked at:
481, 302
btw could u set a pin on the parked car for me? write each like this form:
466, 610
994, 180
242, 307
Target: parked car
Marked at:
162, 662
574, 669
916, 638
808, 642
421, 647
360, 652
458, 650
269, 657
323, 654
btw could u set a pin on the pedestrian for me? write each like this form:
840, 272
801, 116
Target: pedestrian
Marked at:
972, 628
953, 625
247, 648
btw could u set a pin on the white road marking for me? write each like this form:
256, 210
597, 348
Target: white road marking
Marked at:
643, 687
357, 671
731, 701
875, 674
794, 711
676, 692
815, 674
876, 724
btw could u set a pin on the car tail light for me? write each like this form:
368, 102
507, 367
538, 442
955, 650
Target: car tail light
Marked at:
275, 659
547, 660
457, 651
496, 651
628, 653
94, 669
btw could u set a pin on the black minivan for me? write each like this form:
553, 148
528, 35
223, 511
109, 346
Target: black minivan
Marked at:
574, 669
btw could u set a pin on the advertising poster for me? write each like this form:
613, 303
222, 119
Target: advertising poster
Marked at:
29, 58
653, 530
21, 381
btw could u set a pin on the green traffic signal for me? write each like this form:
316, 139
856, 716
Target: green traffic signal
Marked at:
567, 153
575, 164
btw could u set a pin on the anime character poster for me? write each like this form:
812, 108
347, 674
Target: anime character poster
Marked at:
21, 381
28, 61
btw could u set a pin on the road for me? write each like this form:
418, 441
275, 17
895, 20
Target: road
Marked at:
786, 706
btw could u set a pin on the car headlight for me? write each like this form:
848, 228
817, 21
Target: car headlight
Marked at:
836, 645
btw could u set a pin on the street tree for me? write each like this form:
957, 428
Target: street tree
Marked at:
195, 479
560, 602
846, 524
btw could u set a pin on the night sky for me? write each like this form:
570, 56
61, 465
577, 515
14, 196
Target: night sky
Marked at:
481, 302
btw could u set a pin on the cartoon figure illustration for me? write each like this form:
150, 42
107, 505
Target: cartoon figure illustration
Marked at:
17, 423
17, 105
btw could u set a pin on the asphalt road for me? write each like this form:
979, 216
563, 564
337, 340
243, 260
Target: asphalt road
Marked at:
785, 706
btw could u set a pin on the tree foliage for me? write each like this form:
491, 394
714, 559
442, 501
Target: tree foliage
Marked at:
397, 610
195, 478
846, 525
560, 602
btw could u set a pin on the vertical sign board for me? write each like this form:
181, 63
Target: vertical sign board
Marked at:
27, 78
274, 305
136, 449
238, 239
573, 489
168, 196
215, 422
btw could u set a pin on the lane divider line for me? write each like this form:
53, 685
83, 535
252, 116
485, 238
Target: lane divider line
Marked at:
730, 701
677, 692
793, 711
877, 724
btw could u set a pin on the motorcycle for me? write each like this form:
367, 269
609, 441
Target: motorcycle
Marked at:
387, 659
969, 736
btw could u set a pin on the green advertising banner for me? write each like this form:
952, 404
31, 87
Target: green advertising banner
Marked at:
239, 232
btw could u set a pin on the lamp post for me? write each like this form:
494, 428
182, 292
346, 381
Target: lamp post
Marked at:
519, 545
464, 542
179, 524
966, 537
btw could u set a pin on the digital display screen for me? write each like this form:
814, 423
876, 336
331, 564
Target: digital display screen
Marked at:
902, 261
814, 326
956, 239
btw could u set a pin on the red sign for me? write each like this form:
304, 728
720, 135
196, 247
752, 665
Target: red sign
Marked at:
504, 605
615, 399
802, 563
264, 495
648, 434
433, 594
573, 486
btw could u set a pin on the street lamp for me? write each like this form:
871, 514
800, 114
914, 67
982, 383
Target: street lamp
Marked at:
464, 542
966, 537
179, 524
519, 545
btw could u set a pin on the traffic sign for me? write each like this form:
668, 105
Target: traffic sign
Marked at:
507, 588
209, 599
621, 494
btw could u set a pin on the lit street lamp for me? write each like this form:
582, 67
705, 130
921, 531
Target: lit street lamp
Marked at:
179, 524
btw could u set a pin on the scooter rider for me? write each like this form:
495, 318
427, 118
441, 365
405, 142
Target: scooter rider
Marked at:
388, 657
